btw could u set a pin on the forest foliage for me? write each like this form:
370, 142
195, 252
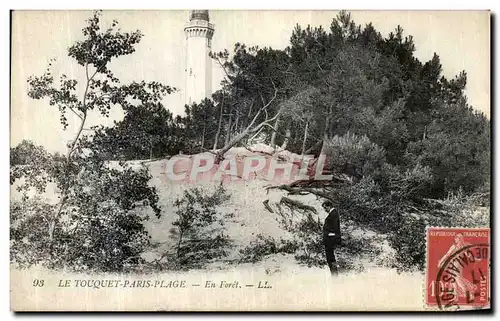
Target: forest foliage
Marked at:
326, 86
94, 224
401, 135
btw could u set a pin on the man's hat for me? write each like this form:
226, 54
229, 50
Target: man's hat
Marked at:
327, 204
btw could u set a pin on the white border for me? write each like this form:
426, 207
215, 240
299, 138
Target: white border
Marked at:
186, 4
225, 4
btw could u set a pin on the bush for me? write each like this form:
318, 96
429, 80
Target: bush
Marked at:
94, 227
198, 229
307, 242
353, 155
457, 210
382, 196
27, 153
409, 243
263, 246
29, 242
466, 209
307, 234
457, 149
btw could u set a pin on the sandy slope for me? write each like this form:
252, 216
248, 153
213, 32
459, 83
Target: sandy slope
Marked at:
250, 216
294, 287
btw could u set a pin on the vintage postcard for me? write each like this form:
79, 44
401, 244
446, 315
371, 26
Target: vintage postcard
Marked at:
218, 160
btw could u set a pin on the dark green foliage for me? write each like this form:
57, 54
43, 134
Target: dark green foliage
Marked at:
146, 132
100, 47
326, 84
392, 126
309, 232
306, 230
94, 224
263, 246
354, 155
457, 149
35, 165
307, 245
199, 126
457, 209
93, 227
398, 129
27, 153
409, 242
198, 229
350, 79
29, 243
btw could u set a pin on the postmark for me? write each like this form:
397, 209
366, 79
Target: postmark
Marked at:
457, 271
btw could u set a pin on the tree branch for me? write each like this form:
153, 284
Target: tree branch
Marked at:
264, 107
297, 204
74, 111
299, 190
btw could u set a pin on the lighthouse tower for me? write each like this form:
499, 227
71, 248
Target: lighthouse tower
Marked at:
199, 32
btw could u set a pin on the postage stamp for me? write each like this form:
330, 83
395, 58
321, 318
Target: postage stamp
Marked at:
458, 263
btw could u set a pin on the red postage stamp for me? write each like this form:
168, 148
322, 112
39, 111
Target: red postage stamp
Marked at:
458, 262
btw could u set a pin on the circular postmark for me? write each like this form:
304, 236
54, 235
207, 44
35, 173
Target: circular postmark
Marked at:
465, 271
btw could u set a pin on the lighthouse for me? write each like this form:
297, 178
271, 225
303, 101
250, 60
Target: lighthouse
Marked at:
199, 32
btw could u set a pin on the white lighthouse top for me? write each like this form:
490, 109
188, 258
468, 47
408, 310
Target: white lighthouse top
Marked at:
199, 23
199, 15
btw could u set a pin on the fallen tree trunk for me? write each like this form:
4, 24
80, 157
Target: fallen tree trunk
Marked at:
297, 204
300, 190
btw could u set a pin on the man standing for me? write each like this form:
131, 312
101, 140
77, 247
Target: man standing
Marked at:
331, 235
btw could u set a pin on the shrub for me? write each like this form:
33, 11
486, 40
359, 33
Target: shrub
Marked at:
466, 210
27, 153
263, 246
408, 238
307, 242
94, 224
198, 229
309, 233
353, 155
409, 243
94, 227
29, 242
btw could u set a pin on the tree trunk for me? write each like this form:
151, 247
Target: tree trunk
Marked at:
179, 243
216, 140
52, 227
325, 130
249, 114
314, 147
64, 192
250, 129
273, 135
228, 134
305, 138
248, 118
203, 137
236, 121
230, 144
287, 138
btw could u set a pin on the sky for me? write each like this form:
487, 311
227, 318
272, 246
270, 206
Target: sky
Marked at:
460, 38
